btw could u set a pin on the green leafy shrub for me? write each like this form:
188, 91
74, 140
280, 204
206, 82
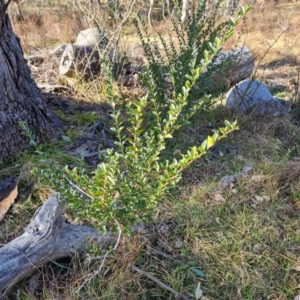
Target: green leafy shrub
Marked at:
201, 36
133, 177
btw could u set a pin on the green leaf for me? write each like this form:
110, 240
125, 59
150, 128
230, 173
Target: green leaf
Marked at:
188, 84
227, 123
215, 136
197, 272
232, 21
210, 142
204, 144
223, 130
66, 138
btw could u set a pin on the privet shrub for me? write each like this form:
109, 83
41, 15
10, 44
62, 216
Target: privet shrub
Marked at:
199, 37
133, 177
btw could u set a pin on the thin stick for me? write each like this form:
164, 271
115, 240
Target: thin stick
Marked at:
166, 287
155, 251
284, 256
87, 280
79, 189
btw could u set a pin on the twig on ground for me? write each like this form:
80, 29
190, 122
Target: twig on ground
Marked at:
157, 252
166, 287
96, 273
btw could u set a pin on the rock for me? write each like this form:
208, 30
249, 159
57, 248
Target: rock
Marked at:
276, 86
91, 37
235, 65
226, 183
253, 96
227, 69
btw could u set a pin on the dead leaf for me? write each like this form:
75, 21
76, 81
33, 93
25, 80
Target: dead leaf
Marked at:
226, 182
267, 198
198, 292
218, 197
248, 170
176, 152
296, 268
219, 234
178, 243
258, 178
259, 199
234, 191
8, 194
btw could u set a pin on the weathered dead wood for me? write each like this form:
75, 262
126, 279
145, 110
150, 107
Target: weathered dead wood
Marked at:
8, 194
40, 58
80, 61
48, 237
46, 87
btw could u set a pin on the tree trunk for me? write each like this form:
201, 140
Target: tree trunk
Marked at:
20, 98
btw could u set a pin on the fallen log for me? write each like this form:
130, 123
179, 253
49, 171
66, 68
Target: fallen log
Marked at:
47, 238
80, 61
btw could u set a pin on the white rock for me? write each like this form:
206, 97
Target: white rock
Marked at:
253, 96
90, 37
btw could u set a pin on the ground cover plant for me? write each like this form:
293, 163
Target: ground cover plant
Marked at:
244, 240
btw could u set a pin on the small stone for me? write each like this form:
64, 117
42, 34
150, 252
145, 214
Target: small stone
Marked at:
226, 182
248, 170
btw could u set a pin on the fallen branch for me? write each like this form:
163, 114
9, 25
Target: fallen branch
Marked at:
166, 287
47, 238
52, 87
41, 57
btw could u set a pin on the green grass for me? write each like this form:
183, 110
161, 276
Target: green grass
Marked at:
247, 248
246, 240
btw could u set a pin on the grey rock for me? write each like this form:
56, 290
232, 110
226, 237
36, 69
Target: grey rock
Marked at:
253, 96
227, 69
276, 86
91, 37
239, 62
226, 183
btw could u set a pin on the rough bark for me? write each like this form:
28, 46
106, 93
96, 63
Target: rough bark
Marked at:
20, 98
46, 238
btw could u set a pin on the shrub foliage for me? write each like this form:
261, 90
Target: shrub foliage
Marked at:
133, 176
